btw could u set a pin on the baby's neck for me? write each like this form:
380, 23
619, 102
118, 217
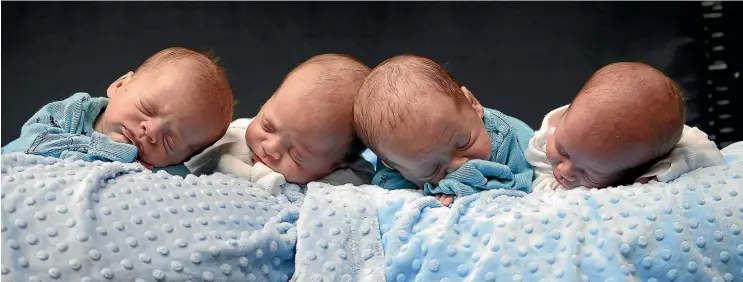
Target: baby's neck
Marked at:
98, 124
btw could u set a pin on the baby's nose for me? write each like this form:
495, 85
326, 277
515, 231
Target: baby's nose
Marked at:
272, 149
148, 132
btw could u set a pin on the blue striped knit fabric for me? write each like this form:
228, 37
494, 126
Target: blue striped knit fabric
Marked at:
64, 129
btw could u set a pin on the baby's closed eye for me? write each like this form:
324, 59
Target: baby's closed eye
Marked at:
466, 145
296, 156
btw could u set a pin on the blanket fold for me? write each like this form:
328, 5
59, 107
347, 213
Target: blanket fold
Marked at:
338, 236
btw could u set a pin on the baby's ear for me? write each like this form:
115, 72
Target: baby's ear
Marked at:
115, 87
473, 102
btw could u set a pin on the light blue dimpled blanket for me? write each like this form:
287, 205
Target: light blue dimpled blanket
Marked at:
77, 221
687, 230
74, 221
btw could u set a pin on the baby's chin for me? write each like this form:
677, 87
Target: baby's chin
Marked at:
145, 162
301, 179
150, 162
305, 177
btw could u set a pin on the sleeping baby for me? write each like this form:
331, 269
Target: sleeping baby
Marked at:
303, 133
175, 104
626, 125
430, 132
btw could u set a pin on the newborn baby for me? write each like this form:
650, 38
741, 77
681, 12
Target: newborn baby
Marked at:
174, 105
303, 133
626, 125
426, 128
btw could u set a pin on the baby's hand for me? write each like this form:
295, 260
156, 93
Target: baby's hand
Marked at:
444, 199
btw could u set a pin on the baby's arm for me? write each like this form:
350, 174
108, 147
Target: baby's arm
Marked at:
207, 161
259, 173
235, 159
692, 152
229, 164
536, 154
56, 131
543, 178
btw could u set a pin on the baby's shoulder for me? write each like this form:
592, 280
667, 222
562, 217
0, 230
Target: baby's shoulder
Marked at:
497, 122
76, 98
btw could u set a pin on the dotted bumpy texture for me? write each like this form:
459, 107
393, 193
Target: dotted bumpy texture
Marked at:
687, 230
338, 236
95, 221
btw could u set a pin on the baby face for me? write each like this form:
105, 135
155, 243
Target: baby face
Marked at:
290, 137
155, 113
446, 139
583, 154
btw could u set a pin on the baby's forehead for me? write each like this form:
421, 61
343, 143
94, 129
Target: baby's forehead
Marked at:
321, 140
310, 124
599, 144
421, 136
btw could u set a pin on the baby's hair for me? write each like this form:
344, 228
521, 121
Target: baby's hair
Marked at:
388, 90
645, 93
339, 77
209, 77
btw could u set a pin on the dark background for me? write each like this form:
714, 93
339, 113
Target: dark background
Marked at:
523, 58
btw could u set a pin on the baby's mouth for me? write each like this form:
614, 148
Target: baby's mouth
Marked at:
128, 135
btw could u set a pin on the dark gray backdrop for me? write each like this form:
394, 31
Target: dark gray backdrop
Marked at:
523, 58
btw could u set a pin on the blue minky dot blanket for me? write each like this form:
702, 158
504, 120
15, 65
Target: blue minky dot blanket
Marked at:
95, 221
687, 230
338, 236
75, 221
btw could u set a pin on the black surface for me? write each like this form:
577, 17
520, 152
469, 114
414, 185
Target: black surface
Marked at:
523, 58
721, 96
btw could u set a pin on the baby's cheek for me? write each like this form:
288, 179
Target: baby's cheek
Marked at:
412, 179
118, 137
484, 150
550, 152
553, 156
155, 155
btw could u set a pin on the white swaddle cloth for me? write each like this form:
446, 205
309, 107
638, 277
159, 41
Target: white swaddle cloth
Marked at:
231, 155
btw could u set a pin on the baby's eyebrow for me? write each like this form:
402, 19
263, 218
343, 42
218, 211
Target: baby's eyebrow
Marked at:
269, 120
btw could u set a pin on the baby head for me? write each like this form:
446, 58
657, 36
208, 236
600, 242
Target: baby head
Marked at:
172, 106
626, 117
305, 130
419, 120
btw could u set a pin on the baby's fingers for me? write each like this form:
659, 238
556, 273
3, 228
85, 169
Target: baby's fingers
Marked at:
445, 199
